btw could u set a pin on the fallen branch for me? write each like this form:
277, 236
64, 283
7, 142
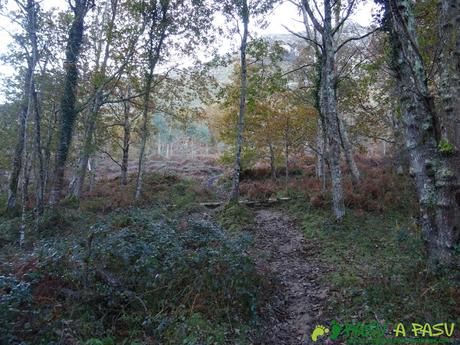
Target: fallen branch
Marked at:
215, 204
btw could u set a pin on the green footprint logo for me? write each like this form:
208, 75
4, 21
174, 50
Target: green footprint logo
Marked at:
319, 331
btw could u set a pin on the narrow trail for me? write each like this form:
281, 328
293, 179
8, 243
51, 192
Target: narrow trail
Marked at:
290, 265
284, 257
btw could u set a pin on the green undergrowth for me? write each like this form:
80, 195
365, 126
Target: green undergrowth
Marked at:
376, 267
154, 272
236, 217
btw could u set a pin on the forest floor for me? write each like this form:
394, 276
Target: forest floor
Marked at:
286, 261
283, 256
165, 270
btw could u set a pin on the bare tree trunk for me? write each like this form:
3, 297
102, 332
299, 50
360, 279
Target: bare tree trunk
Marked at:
319, 150
28, 105
40, 185
272, 161
449, 36
49, 139
153, 57
68, 111
24, 195
400, 155
76, 187
348, 149
435, 182
286, 156
168, 144
329, 111
126, 139
24, 190
159, 144
322, 139
92, 173
31, 11
144, 135
17, 160
192, 148
235, 193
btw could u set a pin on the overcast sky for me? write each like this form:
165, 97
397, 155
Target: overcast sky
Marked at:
285, 14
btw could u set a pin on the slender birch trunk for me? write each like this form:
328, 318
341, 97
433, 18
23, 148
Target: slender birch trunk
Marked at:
49, 139
286, 157
40, 176
17, 160
319, 151
32, 9
88, 141
400, 154
26, 168
328, 101
32, 106
321, 139
348, 150
26, 106
76, 187
272, 161
144, 134
126, 138
235, 193
153, 58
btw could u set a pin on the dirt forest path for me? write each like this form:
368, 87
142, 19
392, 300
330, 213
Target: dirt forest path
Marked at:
287, 260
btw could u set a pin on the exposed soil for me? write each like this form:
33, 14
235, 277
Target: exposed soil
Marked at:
290, 266
284, 256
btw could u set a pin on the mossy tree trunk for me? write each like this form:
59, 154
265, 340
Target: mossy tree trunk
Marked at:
449, 31
68, 112
435, 181
99, 79
126, 137
328, 102
349, 154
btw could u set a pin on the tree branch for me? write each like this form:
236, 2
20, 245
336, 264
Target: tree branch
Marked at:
110, 156
297, 69
357, 38
315, 22
304, 37
350, 8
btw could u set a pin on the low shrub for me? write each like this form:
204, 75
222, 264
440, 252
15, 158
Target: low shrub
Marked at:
259, 190
131, 276
235, 217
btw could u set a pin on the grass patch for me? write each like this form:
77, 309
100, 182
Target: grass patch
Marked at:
236, 217
378, 268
